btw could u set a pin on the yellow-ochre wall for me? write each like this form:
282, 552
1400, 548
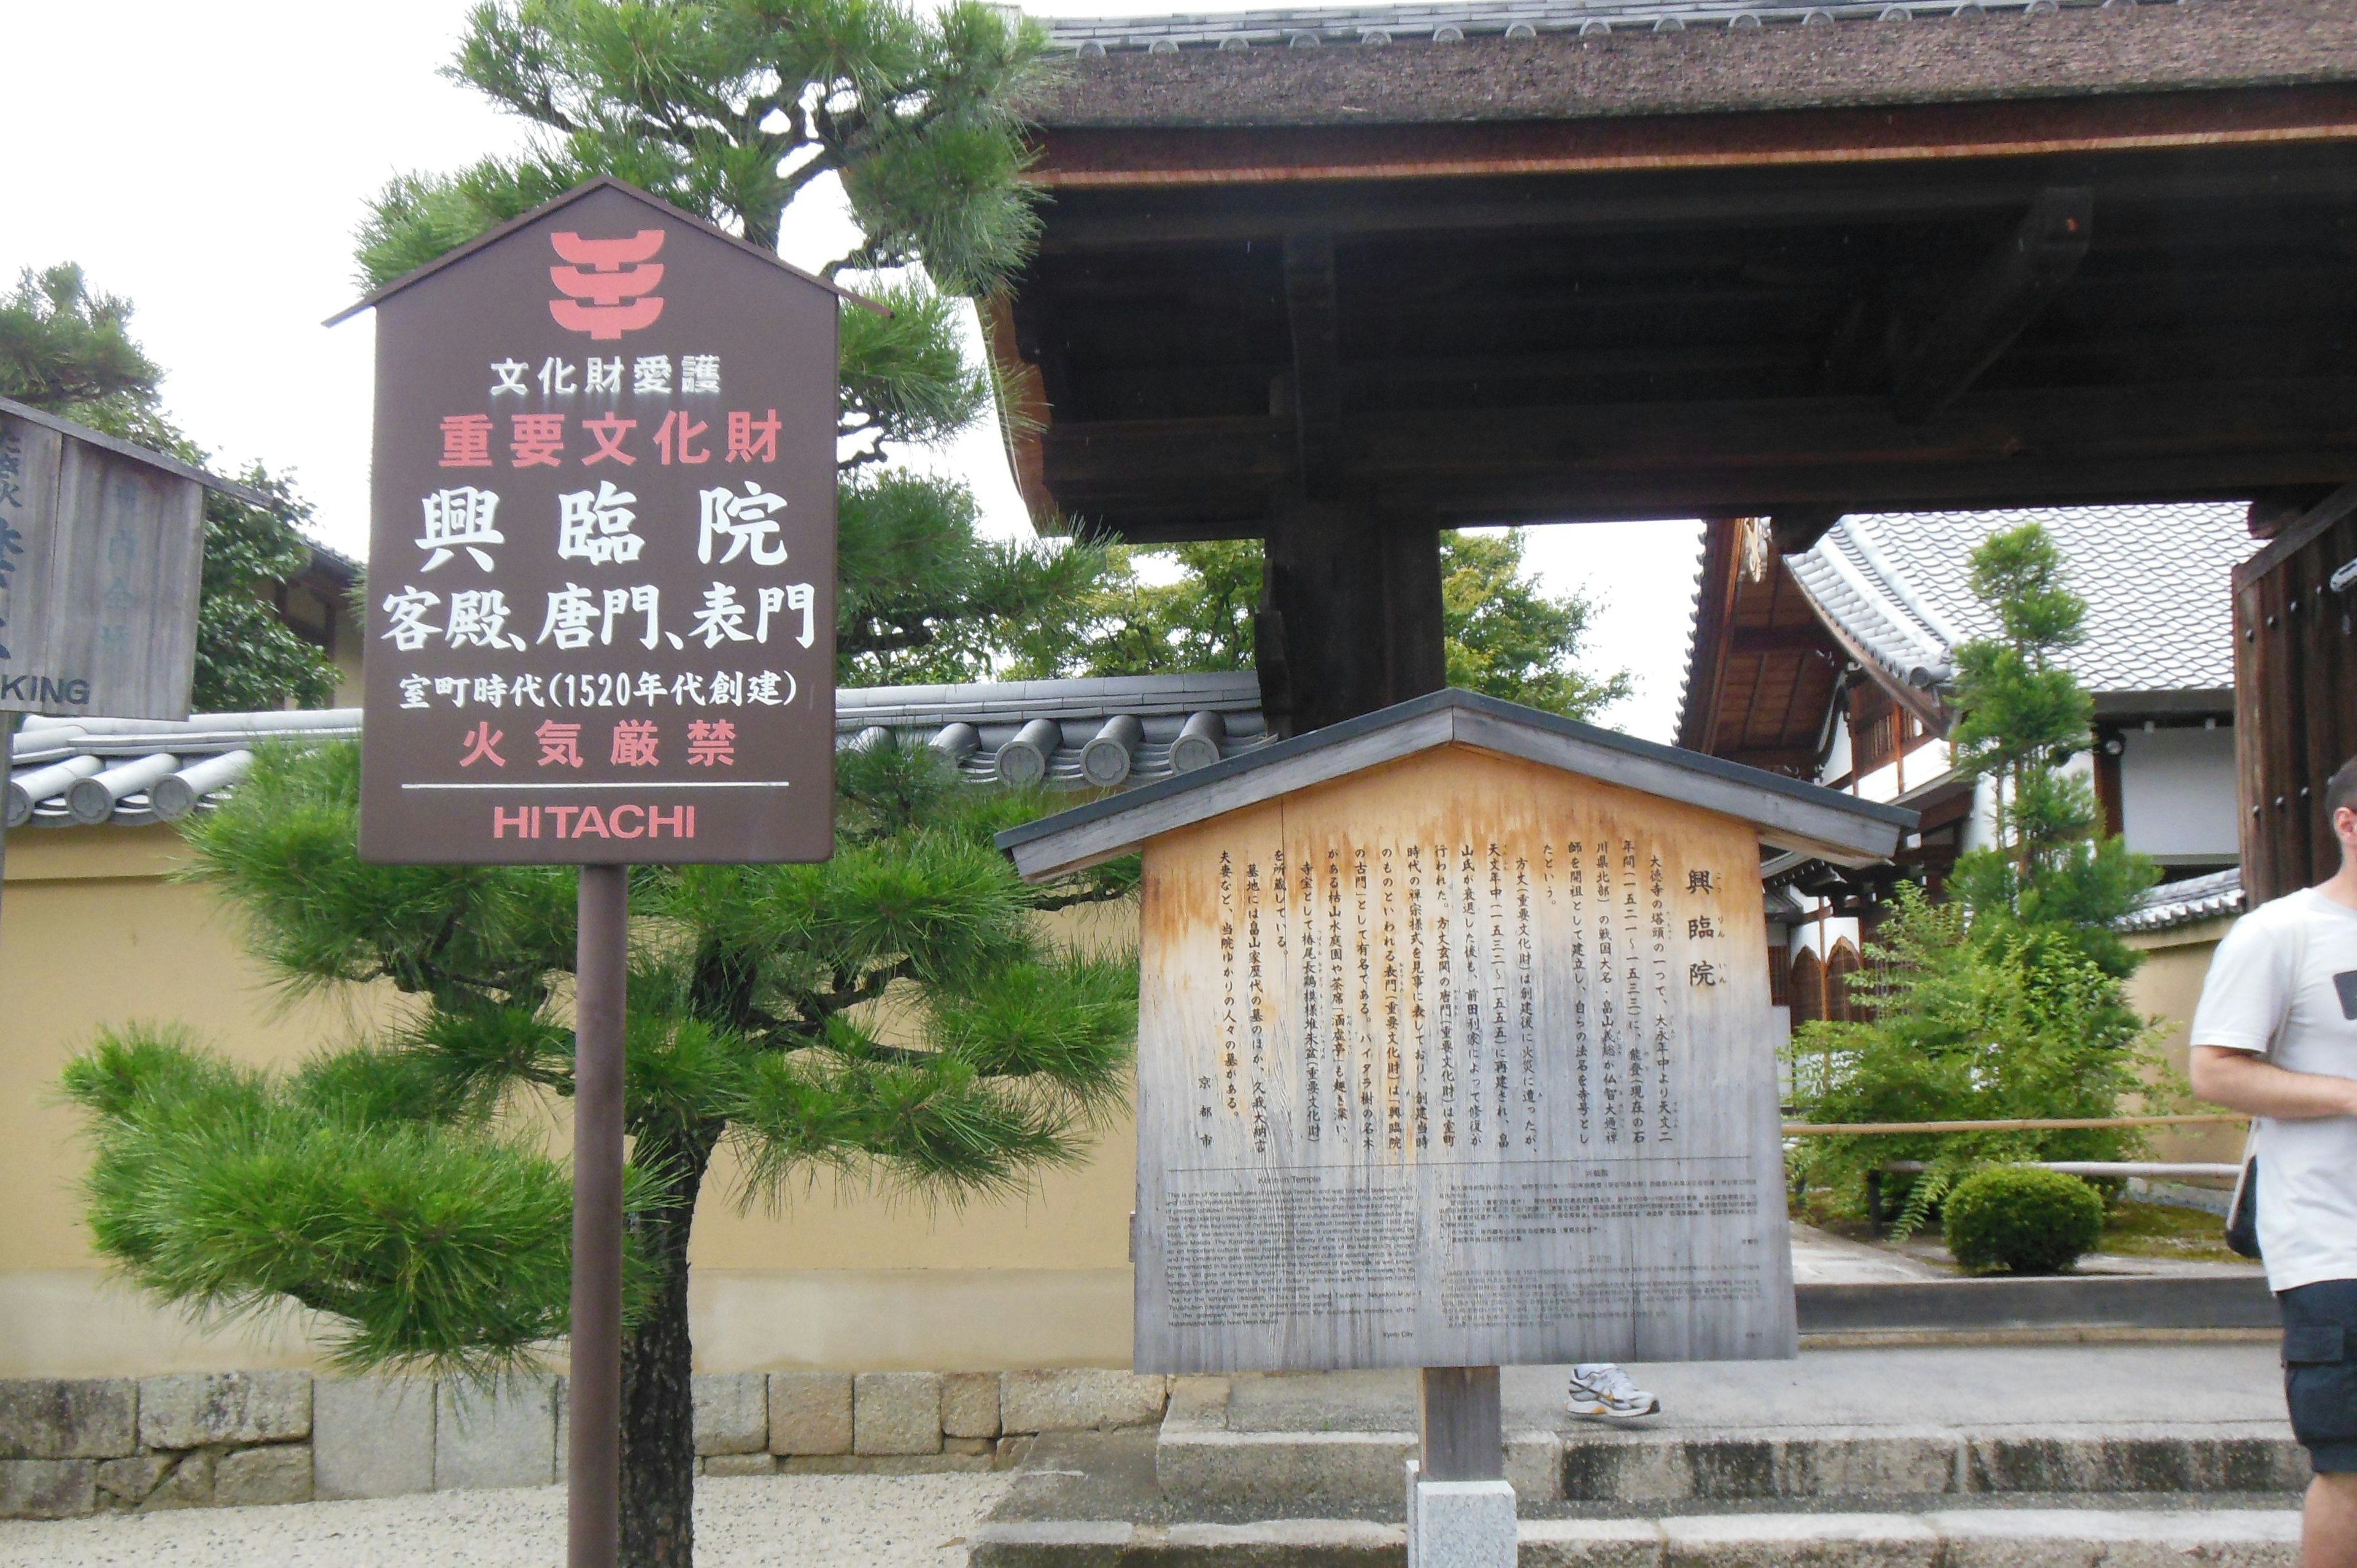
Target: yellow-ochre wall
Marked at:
92, 932
2166, 986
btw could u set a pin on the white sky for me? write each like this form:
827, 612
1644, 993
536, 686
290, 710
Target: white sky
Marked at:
212, 163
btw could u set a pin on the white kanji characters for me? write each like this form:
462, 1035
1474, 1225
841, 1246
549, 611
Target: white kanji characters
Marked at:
556, 377
763, 689
596, 526
412, 690
525, 689
409, 629
650, 688
699, 372
605, 376
722, 619
746, 520
686, 689
623, 601
460, 519
571, 612
480, 620
650, 373
792, 596
491, 689
729, 689
511, 374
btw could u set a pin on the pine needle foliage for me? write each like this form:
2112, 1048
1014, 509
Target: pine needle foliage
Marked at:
2005, 1001
895, 1018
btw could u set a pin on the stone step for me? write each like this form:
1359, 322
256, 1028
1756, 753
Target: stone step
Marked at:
1960, 1538
1359, 1472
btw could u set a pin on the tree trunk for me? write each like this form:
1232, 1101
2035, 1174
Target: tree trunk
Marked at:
658, 1361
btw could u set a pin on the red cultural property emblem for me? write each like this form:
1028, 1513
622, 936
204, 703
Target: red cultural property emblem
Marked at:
618, 273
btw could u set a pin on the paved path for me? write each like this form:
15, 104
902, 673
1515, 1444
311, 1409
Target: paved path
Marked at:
785, 1521
2189, 1386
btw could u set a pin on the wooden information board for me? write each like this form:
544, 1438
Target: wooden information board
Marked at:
1461, 1061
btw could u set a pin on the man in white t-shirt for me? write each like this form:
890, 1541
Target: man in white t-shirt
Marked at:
2276, 1035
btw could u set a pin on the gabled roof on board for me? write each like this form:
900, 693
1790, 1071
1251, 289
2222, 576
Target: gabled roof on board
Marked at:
490, 236
1824, 822
1566, 60
134, 451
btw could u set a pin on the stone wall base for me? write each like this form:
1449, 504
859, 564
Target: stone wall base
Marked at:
71, 1446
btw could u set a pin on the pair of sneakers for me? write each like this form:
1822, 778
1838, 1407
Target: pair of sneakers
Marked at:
1600, 1389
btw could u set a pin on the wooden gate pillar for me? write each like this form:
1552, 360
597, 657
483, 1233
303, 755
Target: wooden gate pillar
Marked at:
1350, 615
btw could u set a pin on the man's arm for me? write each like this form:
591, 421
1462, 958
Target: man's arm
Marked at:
2248, 1083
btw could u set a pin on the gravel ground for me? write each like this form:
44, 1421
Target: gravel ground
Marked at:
784, 1521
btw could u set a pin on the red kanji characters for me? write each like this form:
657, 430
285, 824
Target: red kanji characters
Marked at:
749, 442
608, 430
634, 744
466, 441
675, 434
536, 440
711, 745
481, 742
560, 744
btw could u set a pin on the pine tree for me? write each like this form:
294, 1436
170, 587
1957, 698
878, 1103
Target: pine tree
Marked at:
2007, 1000
388, 1184
67, 351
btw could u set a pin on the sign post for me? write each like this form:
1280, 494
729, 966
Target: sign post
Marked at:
1454, 1052
602, 618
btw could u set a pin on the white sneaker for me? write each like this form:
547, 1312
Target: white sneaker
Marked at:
1601, 1389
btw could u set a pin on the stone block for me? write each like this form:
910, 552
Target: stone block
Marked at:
1800, 1541
127, 1482
810, 1412
1077, 1398
2099, 1538
1590, 1543
741, 1464
1534, 1464
69, 1418
896, 1413
255, 1478
968, 1446
1460, 1524
193, 1410
48, 1488
732, 1412
372, 1438
503, 1436
190, 1484
970, 1404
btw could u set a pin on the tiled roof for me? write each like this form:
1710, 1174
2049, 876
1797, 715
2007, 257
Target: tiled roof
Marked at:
1304, 26
2159, 614
1110, 733
2184, 903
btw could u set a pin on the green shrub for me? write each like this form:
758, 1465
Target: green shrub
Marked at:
2022, 1220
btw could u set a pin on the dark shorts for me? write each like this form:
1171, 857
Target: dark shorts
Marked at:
2320, 1352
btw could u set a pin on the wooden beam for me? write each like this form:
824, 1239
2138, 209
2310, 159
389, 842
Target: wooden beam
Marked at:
1761, 641
1313, 320
2011, 286
2192, 440
1794, 529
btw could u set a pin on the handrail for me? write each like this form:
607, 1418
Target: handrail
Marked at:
2017, 1124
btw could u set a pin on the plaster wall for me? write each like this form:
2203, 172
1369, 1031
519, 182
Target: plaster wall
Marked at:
2166, 986
836, 1275
2176, 793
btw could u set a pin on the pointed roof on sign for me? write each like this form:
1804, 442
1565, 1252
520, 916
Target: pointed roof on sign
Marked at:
603, 182
1807, 817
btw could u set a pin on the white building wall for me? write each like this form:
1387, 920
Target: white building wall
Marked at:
2176, 793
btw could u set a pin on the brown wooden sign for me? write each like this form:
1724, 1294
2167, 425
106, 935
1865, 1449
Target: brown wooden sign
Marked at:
601, 569
101, 548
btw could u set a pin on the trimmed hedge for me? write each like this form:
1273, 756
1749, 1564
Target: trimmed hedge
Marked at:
2022, 1220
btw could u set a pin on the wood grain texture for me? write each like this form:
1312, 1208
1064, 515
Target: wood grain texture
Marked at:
1460, 1061
101, 605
